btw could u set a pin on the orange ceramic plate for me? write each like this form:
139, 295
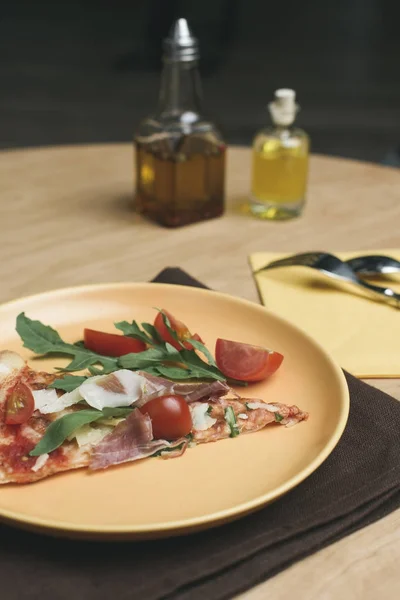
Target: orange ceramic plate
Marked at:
211, 483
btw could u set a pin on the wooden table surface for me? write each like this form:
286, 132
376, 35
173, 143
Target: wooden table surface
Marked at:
67, 218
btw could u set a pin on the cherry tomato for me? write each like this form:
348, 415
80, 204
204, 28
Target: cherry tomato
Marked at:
20, 404
111, 344
244, 361
180, 329
170, 416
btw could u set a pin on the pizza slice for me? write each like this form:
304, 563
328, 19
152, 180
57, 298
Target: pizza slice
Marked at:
115, 418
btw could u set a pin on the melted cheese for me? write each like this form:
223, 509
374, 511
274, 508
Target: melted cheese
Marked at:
87, 435
10, 361
200, 417
47, 401
94, 390
41, 460
264, 405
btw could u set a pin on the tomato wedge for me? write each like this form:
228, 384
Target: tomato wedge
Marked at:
111, 344
180, 329
20, 404
244, 361
170, 416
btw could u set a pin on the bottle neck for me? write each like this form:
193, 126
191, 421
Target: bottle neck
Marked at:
282, 130
180, 88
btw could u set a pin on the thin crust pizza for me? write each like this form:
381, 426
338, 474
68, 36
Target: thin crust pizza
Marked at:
116, 418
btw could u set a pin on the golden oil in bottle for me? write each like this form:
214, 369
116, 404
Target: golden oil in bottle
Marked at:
280, 163
178, 189
180, 154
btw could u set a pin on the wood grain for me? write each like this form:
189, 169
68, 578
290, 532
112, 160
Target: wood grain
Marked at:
67, 218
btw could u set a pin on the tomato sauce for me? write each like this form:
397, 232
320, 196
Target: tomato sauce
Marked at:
15, 456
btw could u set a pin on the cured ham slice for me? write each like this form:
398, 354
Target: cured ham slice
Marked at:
192, 392
131, 440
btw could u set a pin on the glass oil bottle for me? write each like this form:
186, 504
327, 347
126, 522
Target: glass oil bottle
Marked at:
280, 163
180, 155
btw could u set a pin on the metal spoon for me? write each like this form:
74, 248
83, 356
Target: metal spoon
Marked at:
333, 267
374, 265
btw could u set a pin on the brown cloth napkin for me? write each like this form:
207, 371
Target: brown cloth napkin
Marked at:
358, 484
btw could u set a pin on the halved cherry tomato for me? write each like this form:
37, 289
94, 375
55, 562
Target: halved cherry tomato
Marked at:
244, 361
111, 344
20, 404
180, 329
170, 416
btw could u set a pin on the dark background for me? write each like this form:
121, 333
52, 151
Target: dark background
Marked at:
87, 71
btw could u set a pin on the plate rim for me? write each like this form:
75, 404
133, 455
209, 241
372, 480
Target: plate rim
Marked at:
188, 525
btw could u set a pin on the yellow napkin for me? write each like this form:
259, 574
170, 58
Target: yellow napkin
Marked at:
363, 335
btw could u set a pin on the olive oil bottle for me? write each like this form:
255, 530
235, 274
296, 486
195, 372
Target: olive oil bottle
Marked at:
280, 163
180, 154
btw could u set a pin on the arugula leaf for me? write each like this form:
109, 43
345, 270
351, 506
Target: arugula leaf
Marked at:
133, 330
174, 372
173, 353
201, 347
160, 358
195, 343
209, 409
151, 371
83, 360
68, 383
141, 360
199, 366
43, 339
149, 335
95, 371
152, 332
58, 431
278, 417
166, 361
202, 370
36, 336
116, 412
230, 418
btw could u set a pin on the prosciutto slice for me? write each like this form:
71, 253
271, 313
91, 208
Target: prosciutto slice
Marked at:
192, 392
131, 440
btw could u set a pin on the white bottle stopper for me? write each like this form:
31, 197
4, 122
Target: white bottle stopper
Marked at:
284, 108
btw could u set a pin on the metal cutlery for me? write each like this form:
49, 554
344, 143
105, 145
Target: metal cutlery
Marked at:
374, 265
337, 269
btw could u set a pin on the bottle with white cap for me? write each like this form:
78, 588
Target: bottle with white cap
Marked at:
280, 163
180, 154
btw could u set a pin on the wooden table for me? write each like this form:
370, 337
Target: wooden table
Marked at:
67, 219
